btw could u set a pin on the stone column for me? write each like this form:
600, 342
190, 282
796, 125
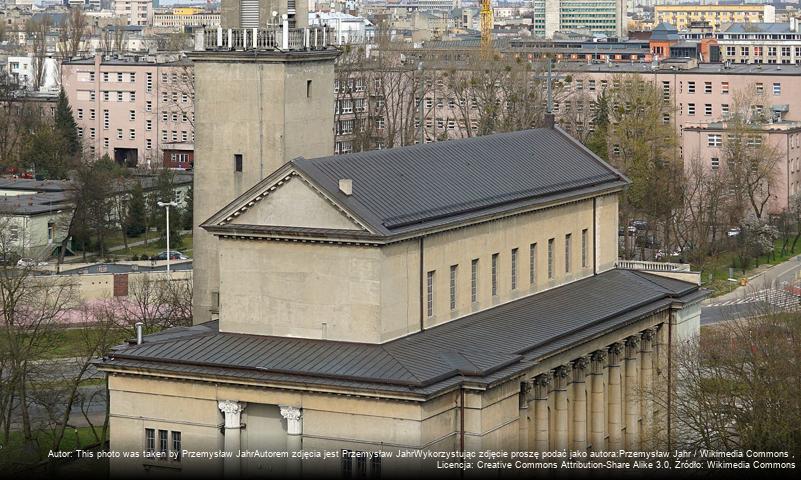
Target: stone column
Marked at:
541, 420
294, 430
646, 384
232, 410
632, 393
523, 442
560, 404
615, 407
660, 377
597, 422
580, 403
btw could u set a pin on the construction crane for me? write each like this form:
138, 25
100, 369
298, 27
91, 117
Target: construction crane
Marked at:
486, 28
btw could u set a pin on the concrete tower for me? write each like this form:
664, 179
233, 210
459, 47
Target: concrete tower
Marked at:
259, 13
255, 109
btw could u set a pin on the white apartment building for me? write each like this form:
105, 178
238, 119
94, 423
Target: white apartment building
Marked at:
139, 12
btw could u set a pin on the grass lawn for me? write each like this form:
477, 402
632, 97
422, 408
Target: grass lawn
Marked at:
715, 271
69, 342
15, 452
155, 246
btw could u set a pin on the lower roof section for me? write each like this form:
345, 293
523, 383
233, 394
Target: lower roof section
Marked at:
481, 348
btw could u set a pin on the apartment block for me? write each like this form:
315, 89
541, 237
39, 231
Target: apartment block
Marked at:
681, 16
138, 12
778, 43
606, 17
139, 112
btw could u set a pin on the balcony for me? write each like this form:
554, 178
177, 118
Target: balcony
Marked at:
678, 271
280, 38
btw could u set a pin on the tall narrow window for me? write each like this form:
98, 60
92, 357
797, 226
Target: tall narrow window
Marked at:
514, 269
150, 441
550, 258
308, 88
494, 274
176, 446
237, 162
163, 445
453, 287
584, 247
568, 251
474, 280
430, 294
532, 264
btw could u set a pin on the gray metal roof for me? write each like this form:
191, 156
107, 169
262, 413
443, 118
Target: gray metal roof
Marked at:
481, 348
402, 190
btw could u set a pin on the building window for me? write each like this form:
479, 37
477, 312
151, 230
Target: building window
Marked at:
80, 114
777, 88
150, 441
237, 162
724, 109
690, 87
176, 443
92, 133
164, 135
532, 264
148, 125
132, 134
131, 96
514, 269
568, 251
132, 115
690, 109
148, 143
760, 88
105, 76
184, 136
148, 82
714, 140
474, 280
430, 294
119, 76
453, 286
584, 246
132, 77
494, 274
308, 88
105, 143
550, 258
163, 445
724, 88
119, 96
148, 106
708, 109
92, 114
707, 87
715, 163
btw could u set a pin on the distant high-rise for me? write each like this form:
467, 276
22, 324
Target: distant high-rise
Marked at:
607, 17
263, 13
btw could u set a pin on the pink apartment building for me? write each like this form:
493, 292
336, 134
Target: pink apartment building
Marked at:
705, 142
139, 112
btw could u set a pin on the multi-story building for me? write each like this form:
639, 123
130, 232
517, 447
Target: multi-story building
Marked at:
459, 297
705, 142
138, 12
263, 13
135, 110
606, 17
183, 17
761, 42
681, 16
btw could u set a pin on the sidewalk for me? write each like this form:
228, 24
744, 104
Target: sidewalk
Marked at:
760, 277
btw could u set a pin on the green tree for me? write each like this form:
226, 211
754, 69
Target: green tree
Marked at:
65, 125
597, 140
46, 153
165, 192
187, 218
136, 223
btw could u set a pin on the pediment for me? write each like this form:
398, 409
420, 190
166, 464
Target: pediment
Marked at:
290, 201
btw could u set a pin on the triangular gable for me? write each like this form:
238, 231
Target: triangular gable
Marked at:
290, 201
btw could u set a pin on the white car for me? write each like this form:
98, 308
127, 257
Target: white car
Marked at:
733, 232
30, 263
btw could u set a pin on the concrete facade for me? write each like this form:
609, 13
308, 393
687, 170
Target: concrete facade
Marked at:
259, 13
264, 112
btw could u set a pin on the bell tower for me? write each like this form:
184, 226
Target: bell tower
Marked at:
263, 96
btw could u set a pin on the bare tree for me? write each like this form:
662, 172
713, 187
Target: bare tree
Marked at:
71, 33
37, 31
697, 217
737, 387
157, 302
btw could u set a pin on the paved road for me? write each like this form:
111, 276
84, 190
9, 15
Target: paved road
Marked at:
767, 291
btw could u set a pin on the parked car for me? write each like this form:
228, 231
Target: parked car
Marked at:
639, 224
174, 255
733, 232
30, 263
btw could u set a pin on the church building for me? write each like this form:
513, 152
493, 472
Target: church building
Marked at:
456, 296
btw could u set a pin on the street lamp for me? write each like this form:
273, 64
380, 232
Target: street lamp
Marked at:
167, 206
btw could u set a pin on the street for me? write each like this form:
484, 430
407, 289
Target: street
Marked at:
765, 291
